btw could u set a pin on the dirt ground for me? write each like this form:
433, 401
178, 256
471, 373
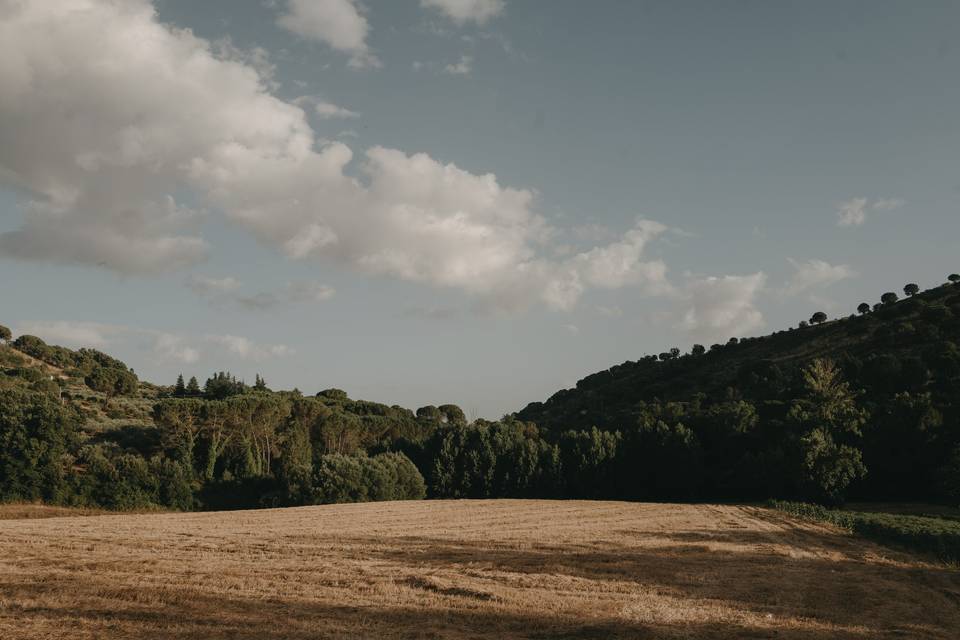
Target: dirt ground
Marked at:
464, 569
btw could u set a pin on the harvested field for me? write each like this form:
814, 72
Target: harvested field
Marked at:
464, 569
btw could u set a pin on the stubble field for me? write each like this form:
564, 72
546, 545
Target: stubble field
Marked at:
463, 569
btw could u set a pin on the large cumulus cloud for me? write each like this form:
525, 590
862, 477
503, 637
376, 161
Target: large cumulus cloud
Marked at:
115, 128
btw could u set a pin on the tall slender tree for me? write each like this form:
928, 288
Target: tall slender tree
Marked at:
179, 389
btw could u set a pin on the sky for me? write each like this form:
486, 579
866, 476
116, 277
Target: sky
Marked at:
464, 201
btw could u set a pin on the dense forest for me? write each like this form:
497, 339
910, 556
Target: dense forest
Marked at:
866, 407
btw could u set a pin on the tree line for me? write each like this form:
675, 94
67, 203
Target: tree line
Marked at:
866, 407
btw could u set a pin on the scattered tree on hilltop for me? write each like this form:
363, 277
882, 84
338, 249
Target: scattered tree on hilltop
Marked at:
863, 308
179, 389
223, 385
889, 297
911, 289
818, 318
5, 333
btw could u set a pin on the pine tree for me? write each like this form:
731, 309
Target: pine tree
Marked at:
193, 387
179, 390
260, 384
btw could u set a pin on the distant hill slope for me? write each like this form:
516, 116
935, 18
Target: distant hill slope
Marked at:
104, 391
909, 345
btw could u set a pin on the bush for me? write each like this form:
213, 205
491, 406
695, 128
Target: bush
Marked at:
389, 476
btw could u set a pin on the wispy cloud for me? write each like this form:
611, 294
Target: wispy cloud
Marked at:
162, 346
853, 212
247, 349
460, 12
204, 285
724, 306
814, 274
461, 68
228, 290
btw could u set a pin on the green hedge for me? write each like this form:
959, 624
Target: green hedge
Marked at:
937, 536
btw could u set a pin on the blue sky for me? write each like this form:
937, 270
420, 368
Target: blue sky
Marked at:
468, 201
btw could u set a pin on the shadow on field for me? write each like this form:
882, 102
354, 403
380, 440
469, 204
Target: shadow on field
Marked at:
163, 614
842, 589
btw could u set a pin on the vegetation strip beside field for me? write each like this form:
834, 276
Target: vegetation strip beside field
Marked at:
932, 535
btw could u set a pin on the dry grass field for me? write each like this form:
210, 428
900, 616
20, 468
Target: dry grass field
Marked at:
458, 569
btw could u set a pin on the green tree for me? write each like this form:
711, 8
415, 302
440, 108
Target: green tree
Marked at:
889, 297
295, 464
180, 423
193, 387
339, 478
36, 434
179, 389
818, 318
5, 333
911, 289
954, 278
863, 308
587, 463
452, 414
698, 350
827, 423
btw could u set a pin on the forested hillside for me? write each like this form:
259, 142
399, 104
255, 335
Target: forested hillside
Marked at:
866, 406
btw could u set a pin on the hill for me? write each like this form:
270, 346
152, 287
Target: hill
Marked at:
909, 345
865, 407
455, 569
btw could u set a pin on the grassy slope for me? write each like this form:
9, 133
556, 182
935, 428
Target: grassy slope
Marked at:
100, 413
607, 396
465, 569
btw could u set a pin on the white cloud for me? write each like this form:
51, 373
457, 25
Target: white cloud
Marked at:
888, 204
79, 335
610, 312
226, 290
338, 23
105, 113
172, 348
461, 12
853, 212
72, 334
814, 274
310, 292
324, 109
205, 285
159, 345
461, 68
329, 110
247, 349
723, 307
